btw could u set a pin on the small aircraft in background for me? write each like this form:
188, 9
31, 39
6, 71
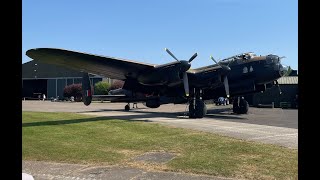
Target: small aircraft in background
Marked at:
173, 82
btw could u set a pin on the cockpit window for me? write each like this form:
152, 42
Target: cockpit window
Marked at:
249, 55
240, 58
269, 60
252, 55
239, 61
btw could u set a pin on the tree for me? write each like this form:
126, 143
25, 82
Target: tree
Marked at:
74, 90
288, 72
117, 84
101, 88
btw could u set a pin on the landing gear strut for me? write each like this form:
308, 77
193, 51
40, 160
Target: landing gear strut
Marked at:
240, 106
197, 108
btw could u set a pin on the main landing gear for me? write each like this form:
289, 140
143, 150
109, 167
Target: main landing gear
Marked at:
127, 107
197, 108
240, 106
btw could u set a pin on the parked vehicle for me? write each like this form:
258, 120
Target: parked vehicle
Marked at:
220, 101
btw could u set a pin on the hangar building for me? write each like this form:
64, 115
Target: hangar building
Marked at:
289, 90
39, 78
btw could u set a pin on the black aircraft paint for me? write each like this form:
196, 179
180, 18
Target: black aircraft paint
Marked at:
173, 82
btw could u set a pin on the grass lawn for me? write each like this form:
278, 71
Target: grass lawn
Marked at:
75, 138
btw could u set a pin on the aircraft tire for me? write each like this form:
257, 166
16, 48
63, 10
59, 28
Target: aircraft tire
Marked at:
127, 108
235, 107
87, 100
242, 108
199, 111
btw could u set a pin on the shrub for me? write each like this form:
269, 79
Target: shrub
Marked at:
101, 88
117, 84
74, 90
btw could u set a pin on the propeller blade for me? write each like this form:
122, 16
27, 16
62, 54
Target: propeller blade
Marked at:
171, 54
227, 68
282, 57
226, 85
192, 58
186, 83
214, 60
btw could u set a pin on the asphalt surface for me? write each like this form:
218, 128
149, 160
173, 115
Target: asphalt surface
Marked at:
274, 126
263, 125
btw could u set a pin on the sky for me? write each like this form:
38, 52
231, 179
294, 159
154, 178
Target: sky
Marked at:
140, 30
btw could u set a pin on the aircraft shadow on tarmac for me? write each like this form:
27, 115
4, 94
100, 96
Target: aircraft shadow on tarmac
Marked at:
224, 113
71, 121
254, 116
270, 117
138, 115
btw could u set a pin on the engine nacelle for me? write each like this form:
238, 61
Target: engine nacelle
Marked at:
161, 77
152, 103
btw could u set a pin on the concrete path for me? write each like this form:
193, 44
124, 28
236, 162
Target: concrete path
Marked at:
63, 171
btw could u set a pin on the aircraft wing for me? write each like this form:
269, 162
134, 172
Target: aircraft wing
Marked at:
206, 69
121, 98
111, 67
107, 97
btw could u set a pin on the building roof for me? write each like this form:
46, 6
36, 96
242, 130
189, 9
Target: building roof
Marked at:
288, 80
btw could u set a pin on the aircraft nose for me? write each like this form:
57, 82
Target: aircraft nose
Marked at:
283, 69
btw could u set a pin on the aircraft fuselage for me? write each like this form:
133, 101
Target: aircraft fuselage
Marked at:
246, 76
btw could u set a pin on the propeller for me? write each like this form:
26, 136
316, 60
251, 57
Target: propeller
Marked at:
191, 59
184, 68
227, 68
225, 79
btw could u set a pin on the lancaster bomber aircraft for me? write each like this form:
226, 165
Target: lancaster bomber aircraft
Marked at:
173, 82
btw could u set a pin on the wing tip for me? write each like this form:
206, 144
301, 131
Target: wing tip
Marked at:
29, 52
33, 51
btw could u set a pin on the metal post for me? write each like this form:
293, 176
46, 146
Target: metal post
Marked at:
56, 87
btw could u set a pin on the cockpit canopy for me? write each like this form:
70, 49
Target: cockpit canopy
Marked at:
239, 57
